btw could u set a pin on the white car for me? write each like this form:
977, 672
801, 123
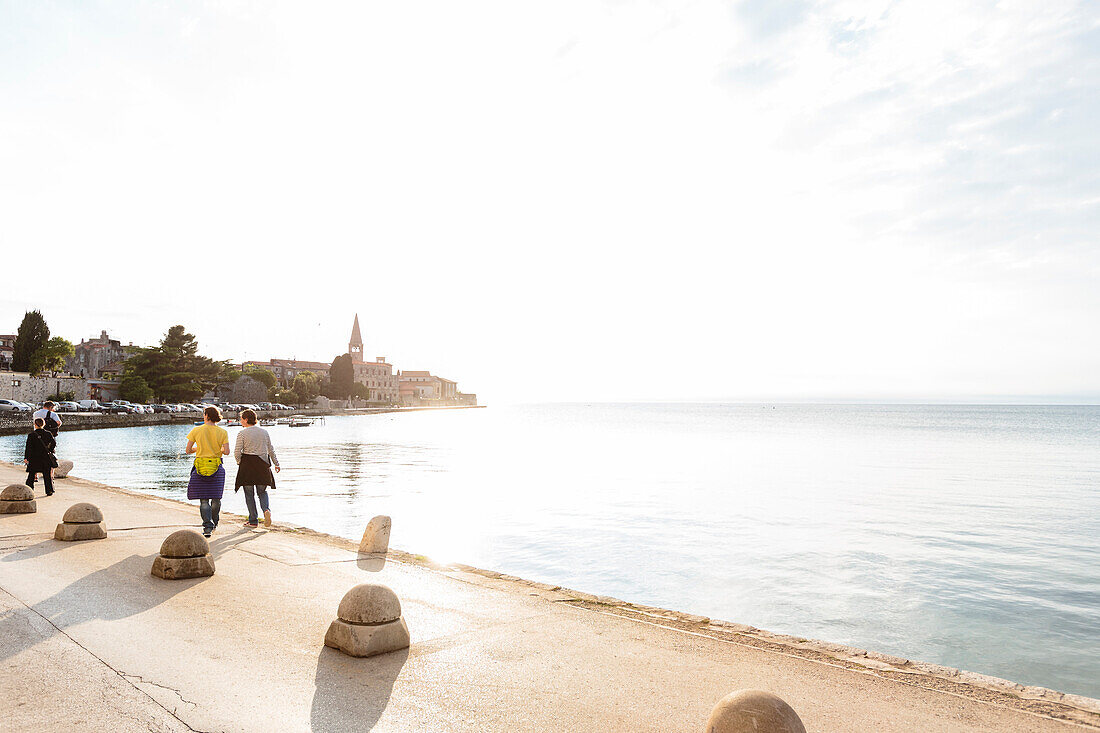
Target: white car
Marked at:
68, 406
12, 406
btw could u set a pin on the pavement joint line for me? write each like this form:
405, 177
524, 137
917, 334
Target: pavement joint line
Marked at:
100, 659
869, 671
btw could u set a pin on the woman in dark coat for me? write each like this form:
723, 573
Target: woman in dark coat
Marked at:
256, 458
38, 456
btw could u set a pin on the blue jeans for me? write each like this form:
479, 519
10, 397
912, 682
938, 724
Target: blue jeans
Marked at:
210, 510
250, 500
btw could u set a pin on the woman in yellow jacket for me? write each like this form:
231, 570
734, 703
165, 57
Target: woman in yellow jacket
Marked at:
209, 442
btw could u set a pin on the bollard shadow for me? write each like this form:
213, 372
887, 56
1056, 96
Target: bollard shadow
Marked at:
105, 595
352, 693
39, 549
372, 562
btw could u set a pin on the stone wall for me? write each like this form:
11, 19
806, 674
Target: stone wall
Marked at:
37, 389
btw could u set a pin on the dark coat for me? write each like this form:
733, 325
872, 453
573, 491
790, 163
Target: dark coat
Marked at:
253, 471
40, 447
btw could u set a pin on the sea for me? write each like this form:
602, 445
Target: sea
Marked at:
964, 535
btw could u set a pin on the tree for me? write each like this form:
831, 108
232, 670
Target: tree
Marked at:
32, 335
341, 376
265, 376
285, 396
133, 388
51, 356
175, 370
360, 391
307, 385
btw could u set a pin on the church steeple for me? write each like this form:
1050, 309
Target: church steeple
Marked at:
355, 346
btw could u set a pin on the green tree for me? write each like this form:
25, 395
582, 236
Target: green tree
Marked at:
175, 370
134, 389
266, 376
307, 385
285, 396
32, 335
51, 356
341, 376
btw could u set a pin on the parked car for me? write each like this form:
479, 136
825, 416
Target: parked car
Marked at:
92, 405
11, 406
68, 406
114, 408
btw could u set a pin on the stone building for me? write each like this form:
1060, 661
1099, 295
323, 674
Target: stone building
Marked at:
97, 357
418, 388
377, 376
286, 369
7, 350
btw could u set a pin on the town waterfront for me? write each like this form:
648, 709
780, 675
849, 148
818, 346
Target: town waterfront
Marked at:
963, 535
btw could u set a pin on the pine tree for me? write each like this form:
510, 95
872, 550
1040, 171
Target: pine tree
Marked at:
33, 334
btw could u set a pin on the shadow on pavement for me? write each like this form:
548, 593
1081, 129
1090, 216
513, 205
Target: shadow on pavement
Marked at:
221, 545
107, 595
352, 693
38, 549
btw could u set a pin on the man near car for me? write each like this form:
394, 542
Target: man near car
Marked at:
51, 419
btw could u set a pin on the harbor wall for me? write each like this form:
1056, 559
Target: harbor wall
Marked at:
15, 423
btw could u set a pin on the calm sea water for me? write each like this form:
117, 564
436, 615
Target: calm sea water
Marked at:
963, 535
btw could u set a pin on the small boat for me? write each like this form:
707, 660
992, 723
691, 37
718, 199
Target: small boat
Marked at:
268, 423
300, 423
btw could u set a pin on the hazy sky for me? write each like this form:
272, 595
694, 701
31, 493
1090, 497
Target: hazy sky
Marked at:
570, 200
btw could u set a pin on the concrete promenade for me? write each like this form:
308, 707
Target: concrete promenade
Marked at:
90, 641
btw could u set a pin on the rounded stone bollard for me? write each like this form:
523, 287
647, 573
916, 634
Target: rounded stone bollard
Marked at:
81, 522
17, 499
183, 554
376, 537
369, 622
63, 468
753, 711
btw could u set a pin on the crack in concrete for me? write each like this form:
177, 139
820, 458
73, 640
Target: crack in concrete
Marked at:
102, 661
144, 681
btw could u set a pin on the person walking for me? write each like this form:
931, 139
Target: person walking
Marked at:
209, 442
52, 419
255, 458
38, 456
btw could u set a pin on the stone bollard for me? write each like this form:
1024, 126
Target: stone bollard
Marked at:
369, 622
81, 522
63, 468
753, 711
376, 537
17, 499
183, 554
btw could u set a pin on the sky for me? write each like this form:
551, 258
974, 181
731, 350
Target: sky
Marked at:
570, 201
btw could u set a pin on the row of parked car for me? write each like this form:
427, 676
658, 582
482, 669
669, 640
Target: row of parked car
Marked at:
122, 407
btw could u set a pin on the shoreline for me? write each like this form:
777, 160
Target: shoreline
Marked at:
1034, 700
15, 423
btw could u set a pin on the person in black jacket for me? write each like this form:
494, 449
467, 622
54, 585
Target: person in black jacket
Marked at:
38, 455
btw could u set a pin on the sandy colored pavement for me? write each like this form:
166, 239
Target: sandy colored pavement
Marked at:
90, 641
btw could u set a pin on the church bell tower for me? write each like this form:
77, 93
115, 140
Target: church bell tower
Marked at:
355, 345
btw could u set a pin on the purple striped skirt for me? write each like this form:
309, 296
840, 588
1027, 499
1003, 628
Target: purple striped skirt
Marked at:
206, 487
